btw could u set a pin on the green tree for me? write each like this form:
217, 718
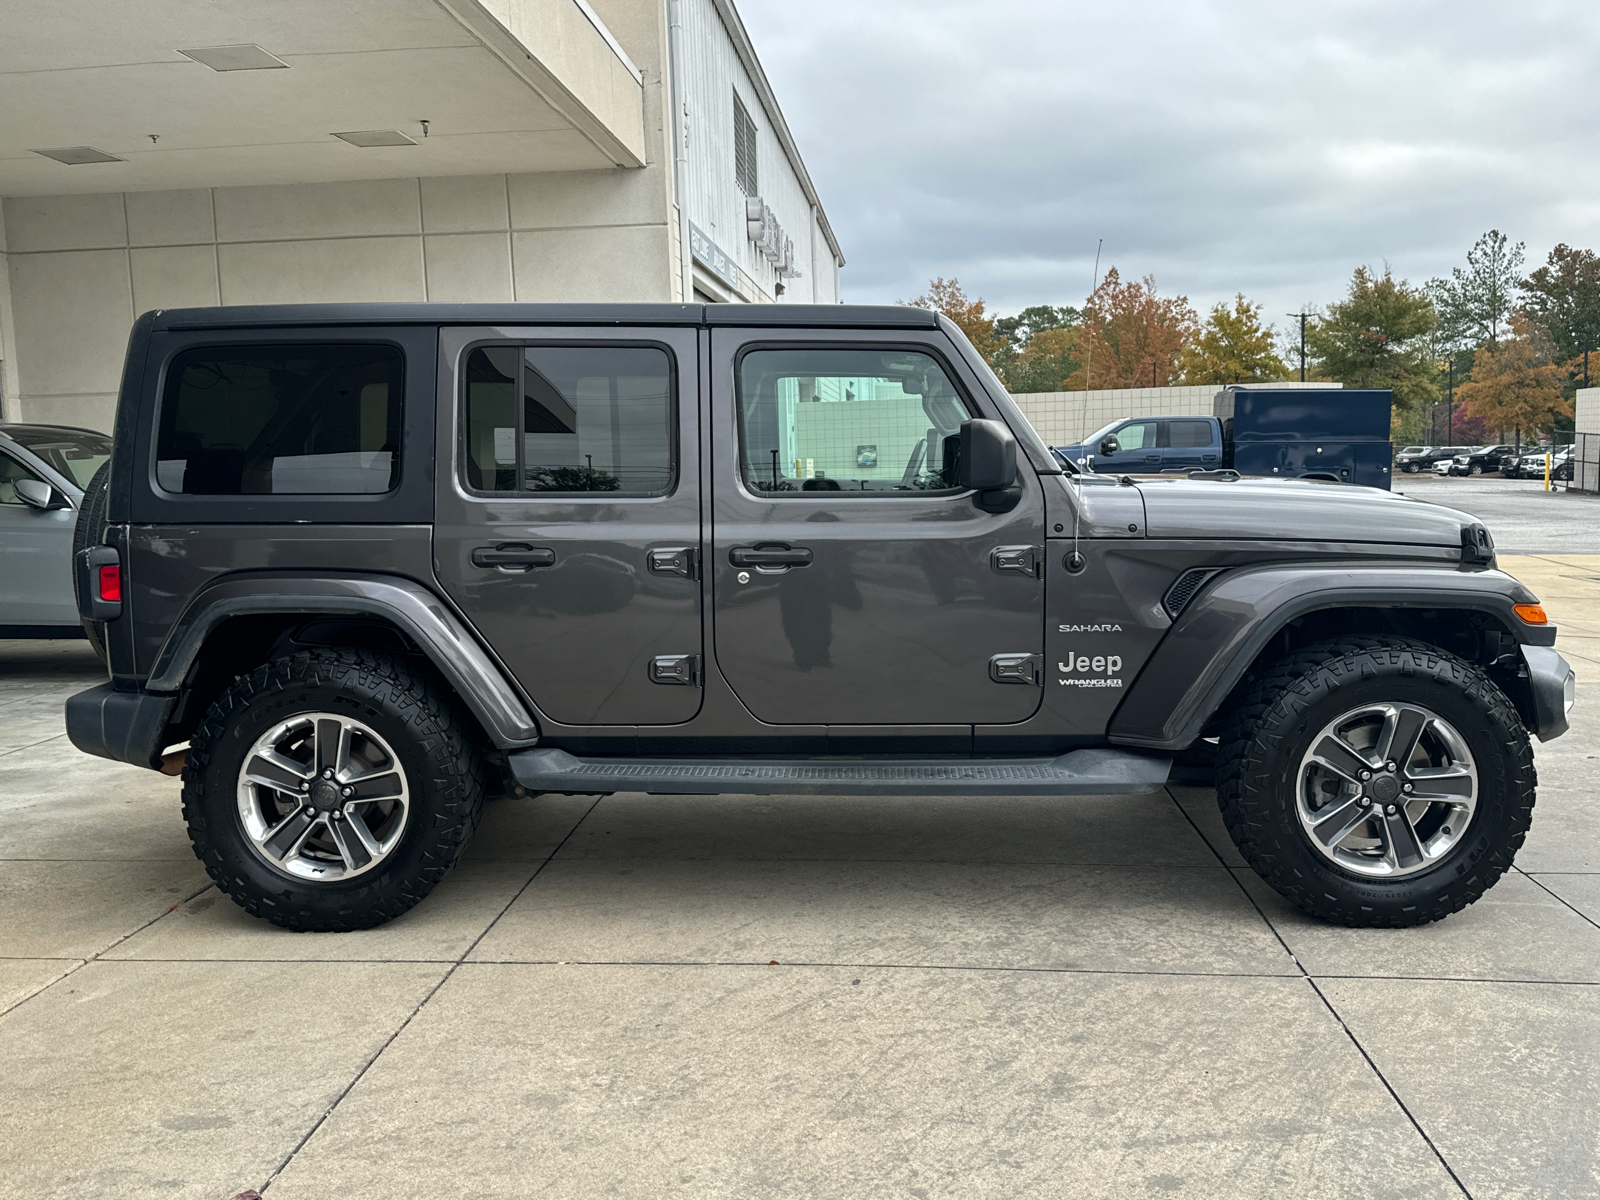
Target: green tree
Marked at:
1233, 346
1379, 336
1562, 300
1035, 354
1474, 305
948, 297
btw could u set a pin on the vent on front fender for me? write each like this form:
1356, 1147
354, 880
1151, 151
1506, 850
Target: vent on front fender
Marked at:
1184, 587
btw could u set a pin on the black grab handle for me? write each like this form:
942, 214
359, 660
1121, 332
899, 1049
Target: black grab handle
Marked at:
513, 554
769, 556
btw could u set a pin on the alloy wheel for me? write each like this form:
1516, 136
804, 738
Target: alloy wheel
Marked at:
1387, 790
322, 797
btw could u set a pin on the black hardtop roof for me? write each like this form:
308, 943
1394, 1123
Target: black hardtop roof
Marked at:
20, 429
818, 315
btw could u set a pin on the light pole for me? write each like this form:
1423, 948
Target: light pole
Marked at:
1302, 316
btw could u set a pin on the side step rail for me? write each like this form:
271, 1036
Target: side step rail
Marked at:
1079, 773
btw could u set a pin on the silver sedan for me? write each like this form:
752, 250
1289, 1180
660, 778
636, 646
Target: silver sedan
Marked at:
44, 470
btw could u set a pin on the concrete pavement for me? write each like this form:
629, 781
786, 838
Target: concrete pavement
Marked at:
806, 997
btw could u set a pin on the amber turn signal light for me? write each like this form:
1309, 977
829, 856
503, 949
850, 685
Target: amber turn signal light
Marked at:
1531, 614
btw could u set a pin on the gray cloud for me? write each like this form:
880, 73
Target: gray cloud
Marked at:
1228, 146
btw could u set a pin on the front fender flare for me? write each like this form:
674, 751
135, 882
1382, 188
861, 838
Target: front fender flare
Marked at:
1224, 628
412, 608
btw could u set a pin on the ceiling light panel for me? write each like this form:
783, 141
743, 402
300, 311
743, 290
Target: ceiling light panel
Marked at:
235, 58
77, 156
376, 137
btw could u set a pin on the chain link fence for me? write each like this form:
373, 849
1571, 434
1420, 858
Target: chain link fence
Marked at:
1585, 462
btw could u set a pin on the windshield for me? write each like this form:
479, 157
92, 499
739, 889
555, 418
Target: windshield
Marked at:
75, 453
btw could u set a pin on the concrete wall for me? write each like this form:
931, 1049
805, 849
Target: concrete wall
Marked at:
80, 268
1066, 418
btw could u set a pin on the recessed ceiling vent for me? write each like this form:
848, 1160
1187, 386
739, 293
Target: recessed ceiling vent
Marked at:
236, 58
77, 156
376, 137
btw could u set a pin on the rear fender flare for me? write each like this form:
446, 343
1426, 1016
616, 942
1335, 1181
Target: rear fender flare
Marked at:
1228, 624
412, 608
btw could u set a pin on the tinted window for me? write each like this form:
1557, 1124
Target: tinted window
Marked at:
281, 420
74, 453
1185, 435
11, 473
569, 419
848, 421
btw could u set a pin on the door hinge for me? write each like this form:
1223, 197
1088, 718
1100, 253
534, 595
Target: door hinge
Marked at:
1016, 668
680, 669
1015, 560
675, 560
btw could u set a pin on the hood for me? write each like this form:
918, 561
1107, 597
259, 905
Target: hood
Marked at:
1293, 509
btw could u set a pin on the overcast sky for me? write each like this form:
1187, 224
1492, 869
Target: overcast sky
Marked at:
1222, 146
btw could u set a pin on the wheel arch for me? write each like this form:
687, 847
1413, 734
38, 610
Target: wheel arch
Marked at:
245, 619
1243, 620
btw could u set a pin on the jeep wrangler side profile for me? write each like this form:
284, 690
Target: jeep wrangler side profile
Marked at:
355, 567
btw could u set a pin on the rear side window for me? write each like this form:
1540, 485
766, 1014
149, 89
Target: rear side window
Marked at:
316, 419
569, 419
1187, 435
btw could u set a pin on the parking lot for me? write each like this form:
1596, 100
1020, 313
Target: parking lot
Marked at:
645, 996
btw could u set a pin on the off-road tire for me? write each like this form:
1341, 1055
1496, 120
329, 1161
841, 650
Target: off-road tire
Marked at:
430, 736
1270, 730
87, 531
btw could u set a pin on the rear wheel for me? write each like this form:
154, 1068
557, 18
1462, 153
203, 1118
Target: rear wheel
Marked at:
331, 790
1377, 782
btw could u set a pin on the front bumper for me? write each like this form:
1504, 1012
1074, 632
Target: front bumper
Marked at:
1554, 687
122, 726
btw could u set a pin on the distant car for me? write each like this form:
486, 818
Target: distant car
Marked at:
1447, 456
1480, 459
44, 470
1422, 458
1531, 466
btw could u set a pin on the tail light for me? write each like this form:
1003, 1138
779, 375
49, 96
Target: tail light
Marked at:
99, 583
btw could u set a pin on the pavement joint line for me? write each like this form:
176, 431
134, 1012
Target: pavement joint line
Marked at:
32, 745
1335, 1014
95, 957
431, 993
1558, 898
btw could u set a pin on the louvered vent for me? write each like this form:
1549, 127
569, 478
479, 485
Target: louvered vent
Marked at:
1183, 589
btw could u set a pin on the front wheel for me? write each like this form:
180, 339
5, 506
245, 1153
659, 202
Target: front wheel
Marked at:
331, 790
1377, 782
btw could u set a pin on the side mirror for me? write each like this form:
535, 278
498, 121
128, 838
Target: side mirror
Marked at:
1110, 445
38, 494
988, 456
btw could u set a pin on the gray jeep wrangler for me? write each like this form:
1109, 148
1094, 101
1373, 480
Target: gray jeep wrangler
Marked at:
356, 567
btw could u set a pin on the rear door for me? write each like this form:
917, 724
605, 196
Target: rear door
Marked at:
568, 514
853, 583
1188, 443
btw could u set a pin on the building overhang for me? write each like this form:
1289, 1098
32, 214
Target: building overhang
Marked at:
504, 86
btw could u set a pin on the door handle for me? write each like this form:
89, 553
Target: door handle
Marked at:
767, 555
514, 554
1152, 458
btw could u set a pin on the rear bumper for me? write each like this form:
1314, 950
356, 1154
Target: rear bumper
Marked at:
1554, 687
122, 726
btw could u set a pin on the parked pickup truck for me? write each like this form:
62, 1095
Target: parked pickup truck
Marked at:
1339, 435
359, 566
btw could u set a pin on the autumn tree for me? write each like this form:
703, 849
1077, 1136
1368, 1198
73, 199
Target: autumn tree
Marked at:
1515, 384
1131, 336
1474, 305
947, 297
1233, 346
1379, 336
1562, 300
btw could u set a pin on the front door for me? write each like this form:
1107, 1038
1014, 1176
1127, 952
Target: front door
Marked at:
567, 526
1136, 451
36, 545
853, 582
